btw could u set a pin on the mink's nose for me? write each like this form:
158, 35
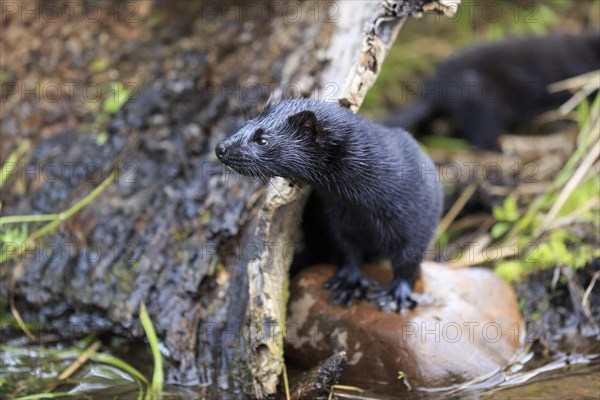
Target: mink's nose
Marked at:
220, 150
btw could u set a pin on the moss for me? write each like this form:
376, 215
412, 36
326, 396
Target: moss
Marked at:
180, 235
205, 217
511, 271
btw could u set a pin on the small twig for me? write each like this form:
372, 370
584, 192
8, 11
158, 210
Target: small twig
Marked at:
83, 357
480, 258
573, 83
468, 222
576, 178
453, 212
577, 296
11, 296
344, 387
12, 159
578, 97
588, 291
588, 135
75, 365
286, 383
551, 116
585, 301
522, 190
570, 219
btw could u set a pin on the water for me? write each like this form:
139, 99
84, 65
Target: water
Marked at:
30, 370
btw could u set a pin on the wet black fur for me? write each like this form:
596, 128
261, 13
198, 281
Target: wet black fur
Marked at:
380, 191
501, 86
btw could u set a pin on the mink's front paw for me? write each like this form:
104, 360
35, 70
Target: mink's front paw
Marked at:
397, 297
348, 284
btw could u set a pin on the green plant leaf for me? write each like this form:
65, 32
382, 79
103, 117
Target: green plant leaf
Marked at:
120, 95
511, 213
101, 138
545, 255
498, 213
512, 271
99, 64
499, 229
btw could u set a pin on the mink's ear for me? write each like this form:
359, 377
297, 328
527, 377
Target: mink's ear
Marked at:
307, 120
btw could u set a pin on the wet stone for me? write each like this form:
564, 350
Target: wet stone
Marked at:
471, 327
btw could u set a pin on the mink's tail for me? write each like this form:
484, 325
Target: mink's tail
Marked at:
410, 116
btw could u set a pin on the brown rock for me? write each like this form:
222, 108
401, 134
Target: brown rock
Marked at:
472, 328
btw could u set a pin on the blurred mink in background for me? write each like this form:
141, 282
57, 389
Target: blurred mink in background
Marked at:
491, 88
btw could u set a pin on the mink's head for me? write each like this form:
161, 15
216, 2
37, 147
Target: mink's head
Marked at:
285, 140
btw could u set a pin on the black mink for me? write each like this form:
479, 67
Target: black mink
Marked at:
380, 191
488, 89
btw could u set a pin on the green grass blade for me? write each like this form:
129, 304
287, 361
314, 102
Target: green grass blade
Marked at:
61, 217
44, 396
12, 159
15, 219
120, 364
76, 207
157, 378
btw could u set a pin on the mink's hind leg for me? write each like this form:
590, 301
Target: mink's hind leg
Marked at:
398, 296
349, 283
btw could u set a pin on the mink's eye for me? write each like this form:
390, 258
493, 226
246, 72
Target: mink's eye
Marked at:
258, 138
